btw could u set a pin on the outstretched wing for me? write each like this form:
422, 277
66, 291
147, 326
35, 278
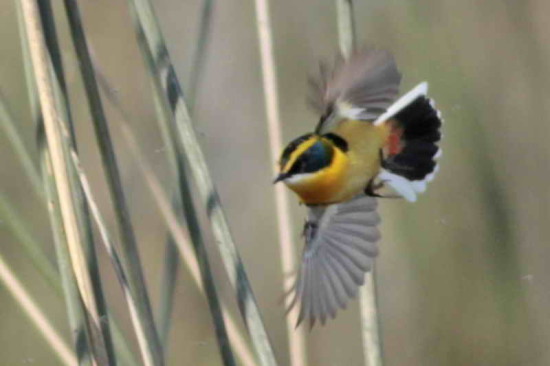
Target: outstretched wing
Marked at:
360, 88
340, 249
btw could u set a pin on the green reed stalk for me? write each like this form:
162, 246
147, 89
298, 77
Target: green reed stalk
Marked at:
38, 318
172, 217
167, 89
54, 124
150, 345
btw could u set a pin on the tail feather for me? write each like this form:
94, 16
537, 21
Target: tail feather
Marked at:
409, 158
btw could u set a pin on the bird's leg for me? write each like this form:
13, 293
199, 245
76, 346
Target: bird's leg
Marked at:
372, 188
309, 230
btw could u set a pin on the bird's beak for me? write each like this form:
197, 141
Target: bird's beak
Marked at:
280, 177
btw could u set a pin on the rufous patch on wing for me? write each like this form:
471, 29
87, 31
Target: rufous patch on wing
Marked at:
394, 143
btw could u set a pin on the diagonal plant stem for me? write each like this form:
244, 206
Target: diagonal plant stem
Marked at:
200, 53
10, 216
172, 218
76, 312
33, 248
183, 200
53, 121
168, 285
19, 147
370, 327
31, 245
180, 236
115, 259
197, 239
60, 90
171, 260
168, 90
75, 307
38, 318
296, 337
150, 346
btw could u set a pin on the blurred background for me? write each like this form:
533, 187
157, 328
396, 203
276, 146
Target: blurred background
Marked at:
462, 274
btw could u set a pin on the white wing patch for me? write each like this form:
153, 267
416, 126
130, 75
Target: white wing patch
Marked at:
405, 100
402, 186
340, 249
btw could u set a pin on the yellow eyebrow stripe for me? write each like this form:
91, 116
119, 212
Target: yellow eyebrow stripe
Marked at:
299, 151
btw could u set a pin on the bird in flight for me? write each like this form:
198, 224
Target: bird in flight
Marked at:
368, 143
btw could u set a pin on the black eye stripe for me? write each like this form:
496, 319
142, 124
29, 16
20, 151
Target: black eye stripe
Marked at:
291, 147
317, 157
338, 141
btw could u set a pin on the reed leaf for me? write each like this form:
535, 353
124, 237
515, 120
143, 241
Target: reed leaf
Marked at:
19, 227
180, 237
187, 252
171, 260
57, 145
169, 91
182, 201
199, 55
129, 250
116, 262
83, 215
171, 264
63, 352
7, 125
75, 307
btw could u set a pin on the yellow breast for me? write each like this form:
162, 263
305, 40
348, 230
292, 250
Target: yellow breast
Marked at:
324, 185
350, 172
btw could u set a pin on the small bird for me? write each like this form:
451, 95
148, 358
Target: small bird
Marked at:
367, 139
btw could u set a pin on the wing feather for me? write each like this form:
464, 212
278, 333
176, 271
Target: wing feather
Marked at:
340, 248
337, 287
362, 87
330, 291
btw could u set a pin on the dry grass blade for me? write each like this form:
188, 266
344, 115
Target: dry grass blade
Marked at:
296, 337
33, 247
41, 262
167, 288
129, 251
117, 265
168, 89
179, 236
57, 145
30, 244
171, 259
200, 53
75, 310
181, 203
6, 121
40, 321
372, 343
